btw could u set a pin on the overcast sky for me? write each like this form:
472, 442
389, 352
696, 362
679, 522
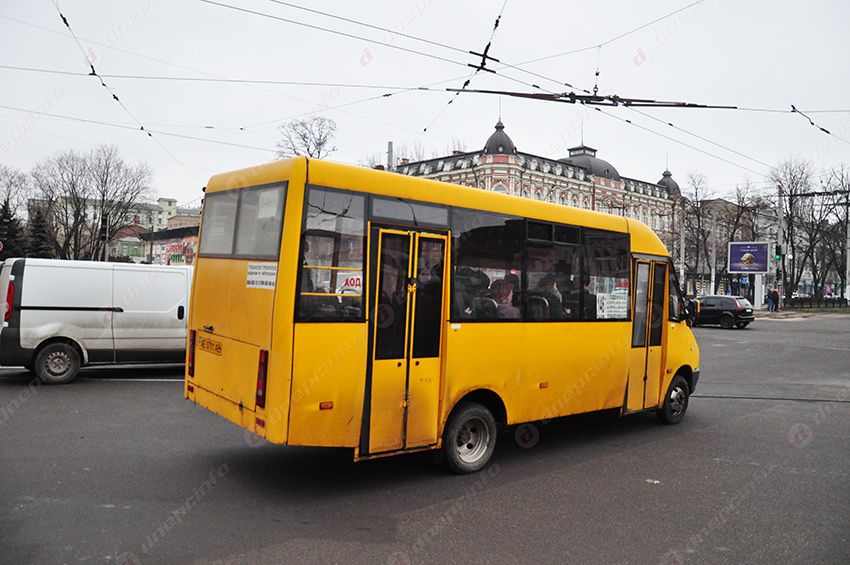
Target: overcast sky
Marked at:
756, 54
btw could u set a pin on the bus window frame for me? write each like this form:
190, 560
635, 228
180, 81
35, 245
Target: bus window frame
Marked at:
675, 278
242, 257
364, 310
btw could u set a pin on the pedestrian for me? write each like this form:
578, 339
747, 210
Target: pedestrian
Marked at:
770, 302
776, 300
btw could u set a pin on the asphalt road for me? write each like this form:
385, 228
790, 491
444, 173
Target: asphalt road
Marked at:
118, 468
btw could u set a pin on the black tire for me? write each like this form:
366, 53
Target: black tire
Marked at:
57, 363
726, 322
675, 401
469, 438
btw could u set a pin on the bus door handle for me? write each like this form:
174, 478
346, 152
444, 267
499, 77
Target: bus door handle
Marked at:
208, 329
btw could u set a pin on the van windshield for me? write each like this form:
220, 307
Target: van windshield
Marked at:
243, 224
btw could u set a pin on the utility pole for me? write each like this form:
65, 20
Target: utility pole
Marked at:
390, 161
682, 247
847, 250
780, 237
713, 249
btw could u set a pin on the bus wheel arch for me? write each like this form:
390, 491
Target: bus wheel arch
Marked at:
487, 398
687, 373
58, 360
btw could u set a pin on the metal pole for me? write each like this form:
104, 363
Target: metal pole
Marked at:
713, 249
780, 237
847, 256
682, 247
390, 161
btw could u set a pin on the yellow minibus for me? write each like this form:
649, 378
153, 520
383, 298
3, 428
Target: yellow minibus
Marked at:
349, 307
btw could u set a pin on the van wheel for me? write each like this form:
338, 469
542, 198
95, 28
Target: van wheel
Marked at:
726, 322
676, 402
469, 438
57, 363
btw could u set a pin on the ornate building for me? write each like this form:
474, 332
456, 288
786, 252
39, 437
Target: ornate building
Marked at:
582, 180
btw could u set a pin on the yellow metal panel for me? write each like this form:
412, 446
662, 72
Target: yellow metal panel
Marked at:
584, 364
330, 365
231, 374
423, 407
224, 302
386, 424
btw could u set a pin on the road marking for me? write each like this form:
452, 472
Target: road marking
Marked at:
118, 379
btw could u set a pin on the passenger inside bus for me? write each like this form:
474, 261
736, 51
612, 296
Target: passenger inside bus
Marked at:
502, 292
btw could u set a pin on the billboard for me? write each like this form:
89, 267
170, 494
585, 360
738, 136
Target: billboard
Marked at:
748, 257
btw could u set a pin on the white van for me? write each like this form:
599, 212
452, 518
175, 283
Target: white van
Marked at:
61, 315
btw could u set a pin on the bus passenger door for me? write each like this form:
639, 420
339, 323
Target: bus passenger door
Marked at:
647, 335
390, 309
426, 332
408, 316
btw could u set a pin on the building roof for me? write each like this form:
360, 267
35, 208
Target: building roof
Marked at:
499, 143
669, 184
585, 157
172, 233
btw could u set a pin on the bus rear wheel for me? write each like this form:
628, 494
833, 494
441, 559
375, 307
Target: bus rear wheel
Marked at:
469, 438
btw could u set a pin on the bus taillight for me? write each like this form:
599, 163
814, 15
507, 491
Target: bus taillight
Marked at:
10, 301
190, 360
262, 373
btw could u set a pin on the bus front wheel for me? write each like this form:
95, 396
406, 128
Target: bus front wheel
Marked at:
675, 402
469, 438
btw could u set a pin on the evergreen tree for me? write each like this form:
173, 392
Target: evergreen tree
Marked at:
11, 233
39, 242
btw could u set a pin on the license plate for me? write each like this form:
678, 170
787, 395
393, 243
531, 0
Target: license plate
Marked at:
210, 345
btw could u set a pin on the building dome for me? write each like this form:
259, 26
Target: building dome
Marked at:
668, 184
585, 157
499, 143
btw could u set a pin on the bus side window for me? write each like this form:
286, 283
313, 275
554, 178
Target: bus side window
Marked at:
605, 276
487, 248
332, 257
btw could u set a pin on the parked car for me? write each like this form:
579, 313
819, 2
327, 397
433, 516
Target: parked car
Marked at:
61, 315
728, 311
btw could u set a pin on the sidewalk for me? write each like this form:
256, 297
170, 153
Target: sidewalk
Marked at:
789, 313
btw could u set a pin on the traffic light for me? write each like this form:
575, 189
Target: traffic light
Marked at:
104, 227
778, 252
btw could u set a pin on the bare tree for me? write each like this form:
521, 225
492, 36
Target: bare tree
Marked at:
414, 152
835, 239
805, 217
14, 186
75, 190
312, 137
697, 224
62, 191
116, 188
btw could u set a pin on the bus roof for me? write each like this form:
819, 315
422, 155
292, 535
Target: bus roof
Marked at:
336, 175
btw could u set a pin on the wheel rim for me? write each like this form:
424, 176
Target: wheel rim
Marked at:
678, 401
472, 440
57, 363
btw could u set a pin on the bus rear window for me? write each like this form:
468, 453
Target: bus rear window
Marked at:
243, 224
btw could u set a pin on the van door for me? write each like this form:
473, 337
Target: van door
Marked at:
650, 284
408, 317
149, 321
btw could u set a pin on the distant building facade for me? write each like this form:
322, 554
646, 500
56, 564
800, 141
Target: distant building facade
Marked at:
581, 179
